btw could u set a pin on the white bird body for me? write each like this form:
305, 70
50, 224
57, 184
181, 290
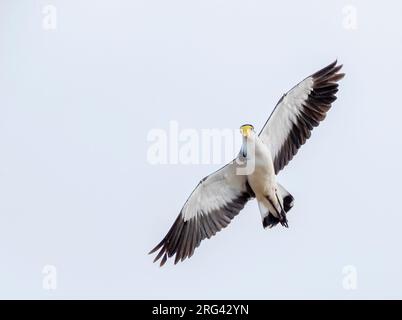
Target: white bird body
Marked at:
262, 179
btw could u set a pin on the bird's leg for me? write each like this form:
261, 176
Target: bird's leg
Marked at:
280, 212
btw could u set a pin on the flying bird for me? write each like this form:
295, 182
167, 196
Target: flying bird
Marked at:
219, 197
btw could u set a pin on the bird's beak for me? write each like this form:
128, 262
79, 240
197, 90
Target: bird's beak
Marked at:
243, 150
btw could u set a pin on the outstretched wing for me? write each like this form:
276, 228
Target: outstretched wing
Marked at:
216, 200
298, 112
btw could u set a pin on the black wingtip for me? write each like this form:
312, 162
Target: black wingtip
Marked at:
163, 261
325, 70
156, 248
340, 76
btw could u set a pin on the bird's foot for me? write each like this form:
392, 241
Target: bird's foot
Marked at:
284, 220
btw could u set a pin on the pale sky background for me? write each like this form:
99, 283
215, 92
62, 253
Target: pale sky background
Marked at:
77, 104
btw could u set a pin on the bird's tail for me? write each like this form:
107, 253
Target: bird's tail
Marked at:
287, 198
286, 201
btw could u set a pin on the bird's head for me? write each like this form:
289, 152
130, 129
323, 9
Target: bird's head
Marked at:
246, 130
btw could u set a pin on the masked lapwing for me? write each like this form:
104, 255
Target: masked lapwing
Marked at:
219, 197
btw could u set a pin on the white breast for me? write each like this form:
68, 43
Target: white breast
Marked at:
263, 175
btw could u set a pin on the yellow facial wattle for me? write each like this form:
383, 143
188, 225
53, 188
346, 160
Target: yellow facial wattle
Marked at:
246, 130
